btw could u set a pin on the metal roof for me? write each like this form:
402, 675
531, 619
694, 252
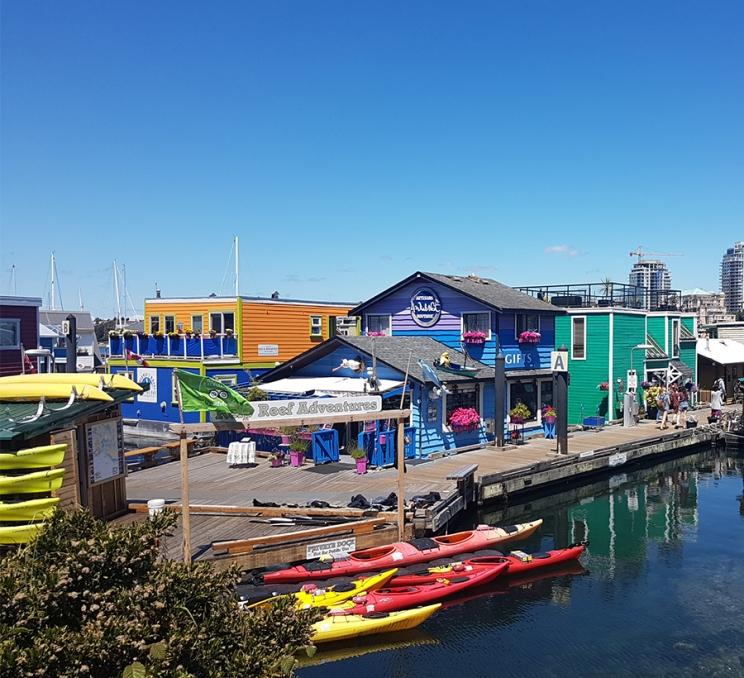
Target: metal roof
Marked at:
655, 353
19, 420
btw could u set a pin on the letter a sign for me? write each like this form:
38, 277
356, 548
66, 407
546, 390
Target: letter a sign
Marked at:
559, 361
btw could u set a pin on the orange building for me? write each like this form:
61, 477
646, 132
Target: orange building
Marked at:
232, 339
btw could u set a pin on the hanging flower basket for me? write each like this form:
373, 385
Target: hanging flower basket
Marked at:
604, 386
464, 419
474, 337
549, 415
519, 413
529, 337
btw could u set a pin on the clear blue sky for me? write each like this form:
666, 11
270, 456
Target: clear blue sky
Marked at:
352, 143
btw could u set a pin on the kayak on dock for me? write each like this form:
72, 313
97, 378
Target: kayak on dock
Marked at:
517, 562
38, 481
46, 456
31, 509
401, 554
340, 627
19, 534
405, 597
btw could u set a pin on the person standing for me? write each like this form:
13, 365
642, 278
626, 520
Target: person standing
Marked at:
716, 403
684, 405
674, 402
663, 404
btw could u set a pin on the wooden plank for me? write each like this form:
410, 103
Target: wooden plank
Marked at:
247, 545
211, 427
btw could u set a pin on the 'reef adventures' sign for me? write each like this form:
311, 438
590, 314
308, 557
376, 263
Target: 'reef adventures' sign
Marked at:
274, 411
426, 307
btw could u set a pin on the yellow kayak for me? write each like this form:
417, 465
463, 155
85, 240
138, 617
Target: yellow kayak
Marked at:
343, 626
32, 509
47, 456
36, 391
98, 380
19, 534
38, 481
331, 596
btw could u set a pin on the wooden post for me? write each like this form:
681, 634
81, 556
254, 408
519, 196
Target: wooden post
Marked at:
185, 515
400, 446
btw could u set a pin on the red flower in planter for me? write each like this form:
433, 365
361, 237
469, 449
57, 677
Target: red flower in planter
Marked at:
529, 337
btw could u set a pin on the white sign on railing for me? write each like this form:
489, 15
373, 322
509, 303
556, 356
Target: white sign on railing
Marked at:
274, 411
337, 547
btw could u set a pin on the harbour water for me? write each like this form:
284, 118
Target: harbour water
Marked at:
661, 591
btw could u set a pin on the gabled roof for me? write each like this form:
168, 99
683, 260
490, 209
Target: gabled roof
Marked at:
685, 334
54, 317
489, 292
391, 351
655, 353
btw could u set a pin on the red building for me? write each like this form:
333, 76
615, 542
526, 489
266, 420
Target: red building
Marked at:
19, 331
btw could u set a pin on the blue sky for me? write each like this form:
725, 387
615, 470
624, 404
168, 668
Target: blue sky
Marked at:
350, 144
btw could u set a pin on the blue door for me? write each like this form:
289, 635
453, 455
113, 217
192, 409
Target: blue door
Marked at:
325, 446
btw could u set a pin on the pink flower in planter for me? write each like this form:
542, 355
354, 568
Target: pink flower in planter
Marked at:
376, 334
464, 419
474, 337
529, 337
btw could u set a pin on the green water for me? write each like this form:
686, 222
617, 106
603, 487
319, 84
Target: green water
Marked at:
662, 593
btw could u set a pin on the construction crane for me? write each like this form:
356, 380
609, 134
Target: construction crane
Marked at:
641, 254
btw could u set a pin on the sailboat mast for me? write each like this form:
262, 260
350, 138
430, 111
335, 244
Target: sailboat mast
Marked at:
13, 285
237, 266
52, 287
117, 295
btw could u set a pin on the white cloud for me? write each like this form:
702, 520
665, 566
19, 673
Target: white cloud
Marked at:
561, 249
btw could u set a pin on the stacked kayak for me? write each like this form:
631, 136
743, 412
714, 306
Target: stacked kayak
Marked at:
517, 563
27, 480
401, 554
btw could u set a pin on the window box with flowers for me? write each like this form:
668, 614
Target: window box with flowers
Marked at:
464, 419
474, 337
529, 337
376, 333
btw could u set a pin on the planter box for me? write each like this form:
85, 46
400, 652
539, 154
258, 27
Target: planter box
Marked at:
594, 422
361, 466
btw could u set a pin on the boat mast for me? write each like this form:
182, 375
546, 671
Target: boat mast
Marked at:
237, 267
13, 280
52, 287
117, 295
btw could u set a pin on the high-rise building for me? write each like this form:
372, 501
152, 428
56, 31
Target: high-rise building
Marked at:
654, 276
732, 277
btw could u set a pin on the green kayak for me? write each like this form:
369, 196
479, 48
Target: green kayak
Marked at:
19, 534
38, 481
47, 456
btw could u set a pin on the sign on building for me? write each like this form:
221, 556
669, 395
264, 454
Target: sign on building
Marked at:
559, 361
268, 349
274, 411
426, 307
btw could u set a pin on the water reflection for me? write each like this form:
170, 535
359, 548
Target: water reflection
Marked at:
659, 591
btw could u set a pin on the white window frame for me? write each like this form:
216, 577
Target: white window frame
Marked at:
166, 318
480, 387
150, 319
486, 313
537, 381
222, 320
201, 322
226, 379
539, 323
379, 315
675, 337
316, 325
15, 322
573, 319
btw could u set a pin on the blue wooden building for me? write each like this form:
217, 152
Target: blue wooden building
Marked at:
419, 319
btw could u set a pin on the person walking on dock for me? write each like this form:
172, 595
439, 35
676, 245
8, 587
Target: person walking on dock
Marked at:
682, 408
663, 405
716, 402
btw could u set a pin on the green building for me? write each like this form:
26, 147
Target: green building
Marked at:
607, 333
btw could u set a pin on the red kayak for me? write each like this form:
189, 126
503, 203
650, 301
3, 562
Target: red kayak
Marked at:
404, 553
405, 597
517, 562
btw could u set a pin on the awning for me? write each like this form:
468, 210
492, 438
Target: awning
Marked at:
721, 351
327, 385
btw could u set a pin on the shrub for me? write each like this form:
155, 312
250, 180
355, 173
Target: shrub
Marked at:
255, 393
88, 600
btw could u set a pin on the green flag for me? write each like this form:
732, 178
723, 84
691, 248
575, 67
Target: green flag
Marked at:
200, 394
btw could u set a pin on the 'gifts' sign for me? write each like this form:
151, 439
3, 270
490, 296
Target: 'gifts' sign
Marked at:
426, 307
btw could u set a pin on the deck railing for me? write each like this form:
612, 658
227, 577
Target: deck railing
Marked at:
606, 294
179, 347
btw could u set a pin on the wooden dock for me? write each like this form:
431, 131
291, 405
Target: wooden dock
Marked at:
479, 476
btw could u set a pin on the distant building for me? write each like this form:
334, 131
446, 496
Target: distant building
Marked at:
88, 357
709, 307
732, 277
19, 331
653, 276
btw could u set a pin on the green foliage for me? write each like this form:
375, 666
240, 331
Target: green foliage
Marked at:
297, 444
355, 451
521, 411
255, 393
88, 600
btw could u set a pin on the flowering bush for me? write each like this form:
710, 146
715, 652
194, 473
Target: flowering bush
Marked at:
604, 386
464, 419
519, 413
529, 337
474, 337
651, 395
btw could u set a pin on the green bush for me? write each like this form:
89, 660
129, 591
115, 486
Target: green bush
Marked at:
87, 600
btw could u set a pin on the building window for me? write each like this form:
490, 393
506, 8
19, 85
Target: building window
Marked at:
477, 322
535, 394
546, 393
316, 325
170, 324
174, 389
378, 324
462, 396
221, 322
675, 338
10, 334
578, 338
526, 322
197, 323
227, 379
154, 324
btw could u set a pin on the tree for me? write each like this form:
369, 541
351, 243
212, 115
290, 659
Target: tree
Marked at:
85, 599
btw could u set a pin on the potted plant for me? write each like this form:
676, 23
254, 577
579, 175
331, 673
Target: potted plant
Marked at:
529, 337
158, 335
651, 395
359, 456
519, 413
212, 333
276, 460
297, 449
228, 332
187, 331
604, 386
549, 414
464, 419
174, 335
474, 337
